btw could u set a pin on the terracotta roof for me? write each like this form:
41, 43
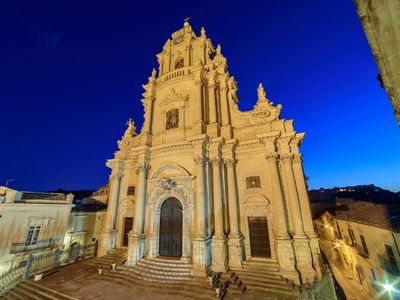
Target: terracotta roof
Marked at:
42, 196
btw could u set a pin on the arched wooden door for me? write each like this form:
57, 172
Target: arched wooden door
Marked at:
171, 228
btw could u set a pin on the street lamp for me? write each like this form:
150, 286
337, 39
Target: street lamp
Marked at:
388, 287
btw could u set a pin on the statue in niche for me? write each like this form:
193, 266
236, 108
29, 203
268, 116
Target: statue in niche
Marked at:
172, 119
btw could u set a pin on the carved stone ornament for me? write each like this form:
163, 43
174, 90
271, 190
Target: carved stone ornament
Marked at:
142, 168
168, 184
264, 109
172, 119
180, 97
127, 139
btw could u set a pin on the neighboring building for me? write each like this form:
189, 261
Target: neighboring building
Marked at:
381, 22
31, 222
367, 241
204, 181
102, 194
85, 223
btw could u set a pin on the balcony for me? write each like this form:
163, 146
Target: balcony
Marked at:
21, 247
174, 74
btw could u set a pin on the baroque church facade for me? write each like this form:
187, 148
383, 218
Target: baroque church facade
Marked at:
205, 182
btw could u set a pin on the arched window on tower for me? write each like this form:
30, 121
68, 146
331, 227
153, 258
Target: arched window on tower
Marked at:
179, 63
172, 119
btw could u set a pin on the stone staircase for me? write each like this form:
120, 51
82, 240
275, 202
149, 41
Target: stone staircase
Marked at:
160, 275
116, 255
264, 276
29, 290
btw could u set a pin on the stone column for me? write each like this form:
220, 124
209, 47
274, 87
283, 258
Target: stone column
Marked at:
235, 243
303, 195
212, 103
200, 240
224, 103
199, 113
307, 218
219, 245
109, 233
294, 204
301, 244
137, 238
280, 217
284, 246
148, 116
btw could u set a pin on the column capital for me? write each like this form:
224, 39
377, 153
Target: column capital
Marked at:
230, 162
216, 161
201, 159
297, 158
144, 167
286, 158
272, 156
116, 175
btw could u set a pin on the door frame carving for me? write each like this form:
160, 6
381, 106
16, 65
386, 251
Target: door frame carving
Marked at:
183, 192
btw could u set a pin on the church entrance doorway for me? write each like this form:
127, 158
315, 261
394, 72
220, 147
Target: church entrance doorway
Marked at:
171, 228
128, 224
259, 237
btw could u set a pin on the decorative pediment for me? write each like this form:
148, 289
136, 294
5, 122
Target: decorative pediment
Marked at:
174, 96
170, 171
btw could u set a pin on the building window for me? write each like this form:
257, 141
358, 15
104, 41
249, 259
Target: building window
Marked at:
179, 63
172, 119
78, 224
392, 259
364, 245
352, 237
130, 191
33, 235
373, 275
339, 232
253, 182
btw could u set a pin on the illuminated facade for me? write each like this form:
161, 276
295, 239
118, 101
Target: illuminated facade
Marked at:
204, 181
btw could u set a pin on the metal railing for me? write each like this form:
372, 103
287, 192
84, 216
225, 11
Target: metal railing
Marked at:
38, 263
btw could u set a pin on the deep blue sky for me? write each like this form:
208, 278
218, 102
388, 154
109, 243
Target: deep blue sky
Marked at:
71, 75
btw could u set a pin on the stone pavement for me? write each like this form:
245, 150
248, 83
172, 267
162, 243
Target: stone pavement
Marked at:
352, 289
81, 281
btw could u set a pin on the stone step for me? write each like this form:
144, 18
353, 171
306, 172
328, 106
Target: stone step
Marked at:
43, 291
165, 262
270, 268
191, 290
257, 273
249, 278
274, 290
155, 277
14, 295
163, 271
167, 267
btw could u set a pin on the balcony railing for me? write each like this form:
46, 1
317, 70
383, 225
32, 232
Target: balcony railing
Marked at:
173, 74
21, 247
